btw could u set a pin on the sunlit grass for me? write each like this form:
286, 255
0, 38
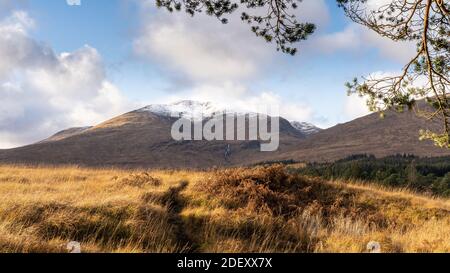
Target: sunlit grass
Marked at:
261, 209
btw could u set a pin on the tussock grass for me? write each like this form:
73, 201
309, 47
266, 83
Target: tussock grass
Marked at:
260, 209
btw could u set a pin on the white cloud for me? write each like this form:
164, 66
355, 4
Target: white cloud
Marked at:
219, 60
42, 92
200, 48
236, 97
346, 39
374, 5
314, 11
358, 38
400, 51
7, 5
203, 49
195, 54
355, 107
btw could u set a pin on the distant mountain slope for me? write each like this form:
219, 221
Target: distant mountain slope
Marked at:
397, 133
67, 133
199, 110
186, 108
142, 138
306, 128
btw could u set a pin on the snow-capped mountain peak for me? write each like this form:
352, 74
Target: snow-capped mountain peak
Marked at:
191, 110
204, 110
185, 108
305, 127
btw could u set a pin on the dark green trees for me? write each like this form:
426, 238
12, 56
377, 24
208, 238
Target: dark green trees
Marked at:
430, 175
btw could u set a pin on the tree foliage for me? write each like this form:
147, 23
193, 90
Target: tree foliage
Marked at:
427, 175
426, 75
272, 20
425, 22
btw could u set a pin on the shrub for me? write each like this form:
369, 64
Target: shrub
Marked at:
141, 180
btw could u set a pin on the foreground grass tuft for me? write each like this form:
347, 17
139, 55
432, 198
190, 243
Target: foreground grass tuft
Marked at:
261, 209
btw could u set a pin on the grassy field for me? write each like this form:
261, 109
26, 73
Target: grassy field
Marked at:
261, 209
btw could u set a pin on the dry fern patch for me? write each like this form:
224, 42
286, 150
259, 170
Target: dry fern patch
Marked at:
260, 209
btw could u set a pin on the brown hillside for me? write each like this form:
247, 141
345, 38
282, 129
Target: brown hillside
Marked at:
397, 133
142, 139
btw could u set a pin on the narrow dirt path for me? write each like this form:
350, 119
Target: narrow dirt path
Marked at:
175, 204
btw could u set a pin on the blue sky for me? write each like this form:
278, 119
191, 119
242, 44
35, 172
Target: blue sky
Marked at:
142, 55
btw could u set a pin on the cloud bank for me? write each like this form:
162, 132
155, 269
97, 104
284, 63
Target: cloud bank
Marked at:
217, 62
42, 92
221, 63
356, 38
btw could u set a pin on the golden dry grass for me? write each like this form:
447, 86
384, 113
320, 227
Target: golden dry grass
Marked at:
261, 209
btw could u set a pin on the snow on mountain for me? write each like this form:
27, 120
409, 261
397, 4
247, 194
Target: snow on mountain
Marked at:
305, 127
191, 109
203, 110
186, 108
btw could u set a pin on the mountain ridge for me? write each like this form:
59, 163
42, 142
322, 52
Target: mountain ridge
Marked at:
142, 138
194, 110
